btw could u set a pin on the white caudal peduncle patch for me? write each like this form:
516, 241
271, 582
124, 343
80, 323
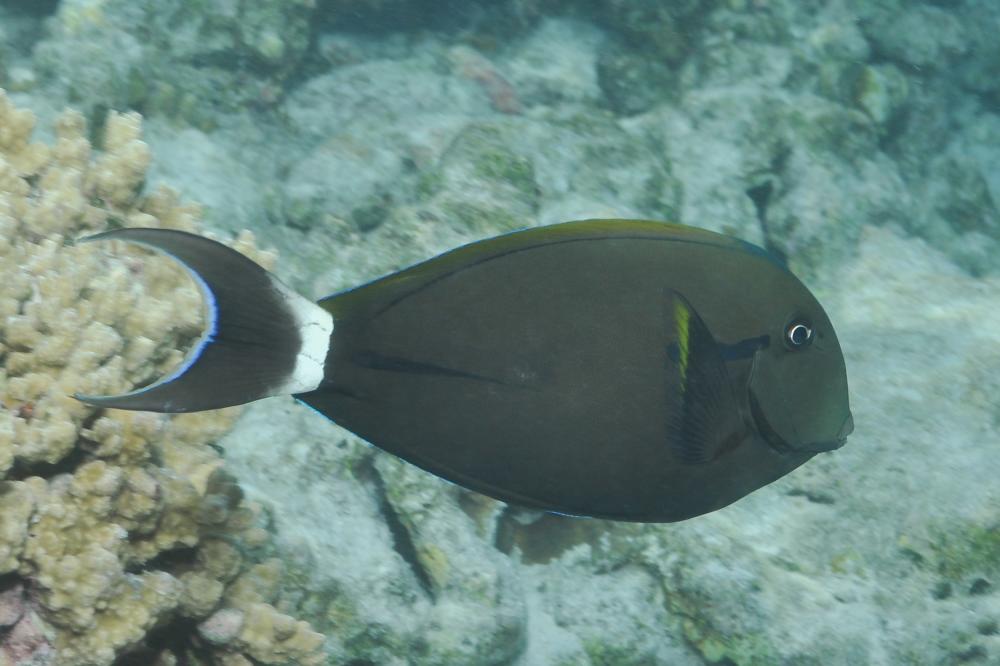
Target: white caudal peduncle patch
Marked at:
315, 327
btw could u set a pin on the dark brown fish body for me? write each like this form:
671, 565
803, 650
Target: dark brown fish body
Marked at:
621, 370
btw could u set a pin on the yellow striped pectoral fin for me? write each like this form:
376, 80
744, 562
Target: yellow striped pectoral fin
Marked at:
701, 406
682, 329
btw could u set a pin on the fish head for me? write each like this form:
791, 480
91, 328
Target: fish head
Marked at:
798, 395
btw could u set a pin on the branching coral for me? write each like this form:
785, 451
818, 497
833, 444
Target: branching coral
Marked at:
116, 528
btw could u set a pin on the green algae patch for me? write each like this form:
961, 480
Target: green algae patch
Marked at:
485, 152
435, 563
881, 91
718, 648
604, 654
480, 219
483, 184
715, 644
429, 183
968, 551
504, 165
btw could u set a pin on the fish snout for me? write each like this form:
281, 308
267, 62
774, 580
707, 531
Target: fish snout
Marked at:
832, 445
847, 428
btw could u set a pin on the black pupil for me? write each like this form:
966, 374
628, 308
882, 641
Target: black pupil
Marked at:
799, 334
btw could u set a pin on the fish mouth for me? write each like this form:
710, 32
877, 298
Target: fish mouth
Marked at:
781, 445
770, 435
823, 447
847, 428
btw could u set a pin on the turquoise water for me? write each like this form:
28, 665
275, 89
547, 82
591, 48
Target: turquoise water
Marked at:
858, 142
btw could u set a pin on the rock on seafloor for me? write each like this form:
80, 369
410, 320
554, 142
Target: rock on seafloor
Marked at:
181, 59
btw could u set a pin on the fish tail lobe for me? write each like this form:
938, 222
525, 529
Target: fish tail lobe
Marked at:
261, 338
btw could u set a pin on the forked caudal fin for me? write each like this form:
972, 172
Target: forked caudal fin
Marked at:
261, 338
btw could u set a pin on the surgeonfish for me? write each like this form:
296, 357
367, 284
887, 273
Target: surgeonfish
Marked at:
629, 370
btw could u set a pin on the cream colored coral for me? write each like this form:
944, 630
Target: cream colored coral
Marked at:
201, 594
136, 605
73, 547
274, 638
16, 126
16, 507
219, 559
118, 173
131, 486
258, 584
7, 434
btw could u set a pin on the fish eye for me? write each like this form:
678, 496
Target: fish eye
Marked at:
798, 334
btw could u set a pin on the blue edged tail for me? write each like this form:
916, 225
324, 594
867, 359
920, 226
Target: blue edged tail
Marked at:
261, 338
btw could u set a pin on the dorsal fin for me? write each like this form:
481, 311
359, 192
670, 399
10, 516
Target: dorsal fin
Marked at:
523, 239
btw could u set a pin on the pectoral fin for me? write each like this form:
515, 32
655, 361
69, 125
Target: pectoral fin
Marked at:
702, 412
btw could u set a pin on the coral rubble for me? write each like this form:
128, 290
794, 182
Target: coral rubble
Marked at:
120, 533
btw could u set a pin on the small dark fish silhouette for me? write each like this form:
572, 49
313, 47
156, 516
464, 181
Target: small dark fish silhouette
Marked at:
621, 369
